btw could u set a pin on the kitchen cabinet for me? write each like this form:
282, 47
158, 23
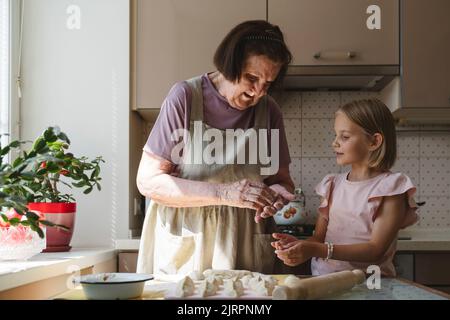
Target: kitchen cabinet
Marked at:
404, 265
176, 40
426, 268
127, 261
422, 93
426, 54
329, 32
431, 269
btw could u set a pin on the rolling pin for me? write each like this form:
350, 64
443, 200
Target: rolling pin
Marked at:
317, 287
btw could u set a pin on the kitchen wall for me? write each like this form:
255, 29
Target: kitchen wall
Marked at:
78, 78
423, 156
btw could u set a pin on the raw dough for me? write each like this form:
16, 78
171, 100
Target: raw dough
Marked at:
226, 274
196, 275
262, 284
245, 280
207, 288
233, 288
218, 280
185, 288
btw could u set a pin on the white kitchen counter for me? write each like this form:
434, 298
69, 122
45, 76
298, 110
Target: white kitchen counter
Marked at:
421, 240
47, 265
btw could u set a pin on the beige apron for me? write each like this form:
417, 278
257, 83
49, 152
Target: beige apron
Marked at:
181, 240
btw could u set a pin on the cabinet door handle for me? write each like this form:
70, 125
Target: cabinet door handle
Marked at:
335, 55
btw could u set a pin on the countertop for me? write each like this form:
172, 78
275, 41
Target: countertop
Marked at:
390, 289
420, 240
46, 265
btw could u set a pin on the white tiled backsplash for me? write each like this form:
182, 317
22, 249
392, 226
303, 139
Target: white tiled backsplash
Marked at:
423, 156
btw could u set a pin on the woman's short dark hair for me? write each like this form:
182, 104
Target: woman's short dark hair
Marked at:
255, 37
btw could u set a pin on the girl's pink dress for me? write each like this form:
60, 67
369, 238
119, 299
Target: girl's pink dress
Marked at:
351, 209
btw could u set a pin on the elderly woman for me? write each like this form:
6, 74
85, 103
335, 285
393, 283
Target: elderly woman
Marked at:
212, 207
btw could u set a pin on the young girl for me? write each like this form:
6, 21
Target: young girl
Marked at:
361, 210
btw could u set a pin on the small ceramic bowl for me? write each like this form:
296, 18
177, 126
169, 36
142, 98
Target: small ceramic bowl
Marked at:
113, 286
292, 213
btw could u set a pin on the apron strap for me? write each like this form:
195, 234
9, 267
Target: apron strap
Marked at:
193, 150
197, 99
261, 113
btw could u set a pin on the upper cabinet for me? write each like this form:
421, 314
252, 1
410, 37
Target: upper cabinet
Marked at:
426, 53
421, 95
176, 40
344, 32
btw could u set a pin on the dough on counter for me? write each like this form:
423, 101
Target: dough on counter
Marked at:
262, 284
226, 274
233, 288
196, 275
245, 280
207, 288
217, 280
185, 288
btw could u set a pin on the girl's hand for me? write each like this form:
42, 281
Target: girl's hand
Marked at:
299, 252
284, 241
246, 194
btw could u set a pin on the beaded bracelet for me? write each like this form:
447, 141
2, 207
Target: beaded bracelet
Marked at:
330, 249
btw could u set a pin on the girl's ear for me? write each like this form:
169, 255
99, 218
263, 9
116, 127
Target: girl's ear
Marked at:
377, 141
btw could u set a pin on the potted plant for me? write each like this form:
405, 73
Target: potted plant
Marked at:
49, 175
21, 230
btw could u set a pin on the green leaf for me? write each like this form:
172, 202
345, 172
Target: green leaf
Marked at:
88, 190
47, 223
38, 230
32, 216
17, 162
63, 137
99, 187
28, 189
45, 149
39, 144
79, 184
14, 144
31, 154
49, 135
41, 171
4, 217
28, 176
4, 151
14, 221
53, 167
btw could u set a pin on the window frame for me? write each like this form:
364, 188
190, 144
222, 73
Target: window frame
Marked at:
15, 26
13, 100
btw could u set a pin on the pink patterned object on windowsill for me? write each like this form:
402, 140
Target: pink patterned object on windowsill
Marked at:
19, 243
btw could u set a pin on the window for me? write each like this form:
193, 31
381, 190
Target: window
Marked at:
5, 70
11, 15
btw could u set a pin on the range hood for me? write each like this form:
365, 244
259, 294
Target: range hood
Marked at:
340, 77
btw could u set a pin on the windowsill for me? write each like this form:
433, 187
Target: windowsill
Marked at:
47, 265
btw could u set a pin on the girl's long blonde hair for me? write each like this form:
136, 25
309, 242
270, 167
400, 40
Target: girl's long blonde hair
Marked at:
374, 117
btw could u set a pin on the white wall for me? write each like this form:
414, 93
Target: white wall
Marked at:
79, 80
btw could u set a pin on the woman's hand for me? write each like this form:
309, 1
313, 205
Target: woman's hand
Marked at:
246, 194
282, 198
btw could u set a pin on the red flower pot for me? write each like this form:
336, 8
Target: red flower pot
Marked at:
58, 239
